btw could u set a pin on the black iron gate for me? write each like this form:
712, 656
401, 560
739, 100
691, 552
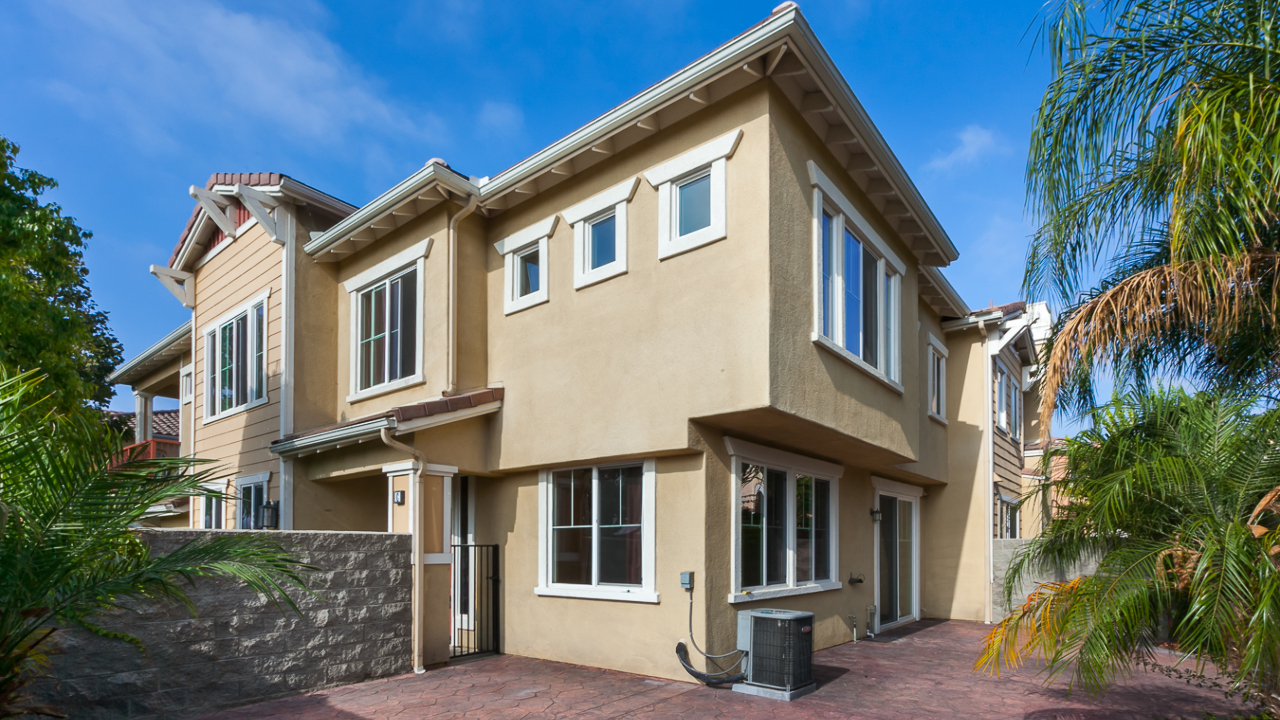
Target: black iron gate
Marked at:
473, 600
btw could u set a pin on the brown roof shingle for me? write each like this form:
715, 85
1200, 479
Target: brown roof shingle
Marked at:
413, 411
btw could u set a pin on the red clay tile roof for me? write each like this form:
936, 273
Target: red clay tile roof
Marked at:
165, 424
223, 179
404, 413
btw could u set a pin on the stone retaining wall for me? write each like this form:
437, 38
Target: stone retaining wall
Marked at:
1003, 554
239, 648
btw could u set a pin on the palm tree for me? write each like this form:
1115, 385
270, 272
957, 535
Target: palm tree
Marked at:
1177, 500
68, 549
1154, 178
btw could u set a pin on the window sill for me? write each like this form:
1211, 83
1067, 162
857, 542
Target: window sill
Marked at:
524, 303
232, 413
770, 593
825, 343
599, 275
640, 595
938, 419
692, 241
385, 388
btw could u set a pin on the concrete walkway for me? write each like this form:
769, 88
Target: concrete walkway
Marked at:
923, 671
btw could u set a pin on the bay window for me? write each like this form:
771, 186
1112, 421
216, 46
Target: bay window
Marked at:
236, 360
858, 285
597, 532
785, 518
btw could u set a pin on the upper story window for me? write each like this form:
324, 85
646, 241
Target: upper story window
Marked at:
597, 532
692, 196
1008, 402
236, 360
600, 234
857, 287
386, 323
187, 384
387, 330
937, 359
525, 265
785, 522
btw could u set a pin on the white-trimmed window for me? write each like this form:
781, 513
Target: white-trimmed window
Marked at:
187, 384
786, 514
600, 234
692, 196
596, 532
525, 266
857, 285
937, 359
386, 323
212, 507
1008, 402
1010, 525
251, 493
236, 360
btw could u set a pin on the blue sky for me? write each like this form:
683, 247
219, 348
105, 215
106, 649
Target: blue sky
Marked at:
127, 103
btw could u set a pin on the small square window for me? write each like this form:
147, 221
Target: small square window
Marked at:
530, 280
694, 203
604, 245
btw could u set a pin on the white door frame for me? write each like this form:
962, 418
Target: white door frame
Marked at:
902, 493
463, 621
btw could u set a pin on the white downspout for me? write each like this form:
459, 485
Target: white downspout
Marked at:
452, 385
417, 547
989, 431
287, 236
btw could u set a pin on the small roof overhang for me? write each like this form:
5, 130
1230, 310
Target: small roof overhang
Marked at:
782, 47
158, 355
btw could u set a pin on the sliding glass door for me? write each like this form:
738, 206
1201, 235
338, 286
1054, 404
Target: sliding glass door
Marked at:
897, 577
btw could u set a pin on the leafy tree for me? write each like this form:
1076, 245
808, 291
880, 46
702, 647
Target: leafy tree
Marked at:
68, 548
1177, 499
1154, 175
47, 318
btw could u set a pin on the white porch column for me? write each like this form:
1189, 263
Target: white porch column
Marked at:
142, 418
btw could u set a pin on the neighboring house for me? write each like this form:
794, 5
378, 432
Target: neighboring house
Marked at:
705, 332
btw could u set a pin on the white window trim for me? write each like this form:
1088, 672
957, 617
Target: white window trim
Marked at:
262, 478
710, 158
187, 384
827, 198
415, 256
1002, 390
514, 246
939, 349
264, 298
610, 202
741, 451
646, 592
218, 488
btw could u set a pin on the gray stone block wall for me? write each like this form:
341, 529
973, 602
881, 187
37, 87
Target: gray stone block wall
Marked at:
239, 648
1003, 553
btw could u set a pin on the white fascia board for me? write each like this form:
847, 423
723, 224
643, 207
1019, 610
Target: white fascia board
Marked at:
301, 191
949, 293
384, 203
329, 438
417, 424
727, 58
620, 193
168, 342
531, 234
972, 321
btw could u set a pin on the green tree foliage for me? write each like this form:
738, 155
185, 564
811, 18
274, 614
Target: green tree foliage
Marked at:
47, 318
1154, 176
68, 547
1177, 500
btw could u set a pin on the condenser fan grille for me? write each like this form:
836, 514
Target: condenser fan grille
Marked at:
781, 652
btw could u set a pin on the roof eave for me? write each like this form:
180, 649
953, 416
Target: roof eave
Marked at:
123, 374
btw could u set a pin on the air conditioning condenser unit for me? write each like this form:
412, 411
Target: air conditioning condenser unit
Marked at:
779, 647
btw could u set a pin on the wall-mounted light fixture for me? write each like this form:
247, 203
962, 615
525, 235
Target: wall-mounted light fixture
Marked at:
271, 515
875, 514
397, 497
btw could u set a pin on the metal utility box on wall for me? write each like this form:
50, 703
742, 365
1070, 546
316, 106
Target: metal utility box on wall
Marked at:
779, 646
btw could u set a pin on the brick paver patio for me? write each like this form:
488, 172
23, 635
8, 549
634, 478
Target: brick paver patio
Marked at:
925, 671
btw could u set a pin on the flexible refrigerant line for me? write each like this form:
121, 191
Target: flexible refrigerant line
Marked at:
705, 655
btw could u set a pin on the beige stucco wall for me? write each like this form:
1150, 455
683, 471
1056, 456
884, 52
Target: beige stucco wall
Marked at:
617, 368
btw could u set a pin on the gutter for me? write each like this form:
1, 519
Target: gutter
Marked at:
337, 437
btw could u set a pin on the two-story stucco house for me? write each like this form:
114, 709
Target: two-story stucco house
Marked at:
707, 332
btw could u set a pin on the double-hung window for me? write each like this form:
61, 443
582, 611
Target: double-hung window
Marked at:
387, 330
236, 360
597, 534
212, 505
858, 285
937, 359
251, 493
692, 191
600, 234
525, 265
785, 523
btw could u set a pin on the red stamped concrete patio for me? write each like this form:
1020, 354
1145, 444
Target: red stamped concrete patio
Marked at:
924, 671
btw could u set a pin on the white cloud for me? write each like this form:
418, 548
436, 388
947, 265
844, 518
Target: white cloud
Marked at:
500, 120
159, 69
975, 143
